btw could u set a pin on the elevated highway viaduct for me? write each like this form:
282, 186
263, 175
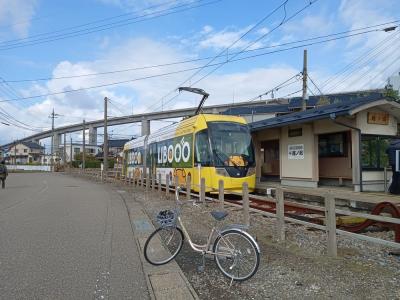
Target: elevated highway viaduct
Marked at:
145, 120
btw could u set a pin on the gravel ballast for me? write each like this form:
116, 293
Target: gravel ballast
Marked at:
297, 268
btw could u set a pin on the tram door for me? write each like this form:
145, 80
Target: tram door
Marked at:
202, 161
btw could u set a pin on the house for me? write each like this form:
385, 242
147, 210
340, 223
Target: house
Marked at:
115, 147
25, 153
77, 148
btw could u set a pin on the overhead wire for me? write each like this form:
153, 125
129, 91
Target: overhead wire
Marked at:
276, 88
88, 23
175, 72
363, 60
262, 20
146, 17
284, 21
391, 64
366, 72
209, 57
170, 73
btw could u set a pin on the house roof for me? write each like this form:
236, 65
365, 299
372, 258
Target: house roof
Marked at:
313, 101
32, 145
117, 143
322, 112
267, 108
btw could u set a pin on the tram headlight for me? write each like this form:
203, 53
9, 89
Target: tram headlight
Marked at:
251, 171
222, 172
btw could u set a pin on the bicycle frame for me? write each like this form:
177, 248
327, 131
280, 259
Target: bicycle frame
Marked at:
205, 248
196, 247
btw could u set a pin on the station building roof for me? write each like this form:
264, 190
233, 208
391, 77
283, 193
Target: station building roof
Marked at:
342, 108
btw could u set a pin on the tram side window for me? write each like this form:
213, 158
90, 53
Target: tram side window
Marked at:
202, 153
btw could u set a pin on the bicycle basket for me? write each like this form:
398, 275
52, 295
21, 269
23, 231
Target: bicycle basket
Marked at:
166, 218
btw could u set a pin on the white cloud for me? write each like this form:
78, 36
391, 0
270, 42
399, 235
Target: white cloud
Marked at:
310, 25
219, 40
151, 5
16, 14
141, 96
371, 72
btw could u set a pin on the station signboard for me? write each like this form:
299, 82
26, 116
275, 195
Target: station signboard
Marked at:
296, 151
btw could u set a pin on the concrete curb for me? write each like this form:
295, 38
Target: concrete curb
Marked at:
166, 281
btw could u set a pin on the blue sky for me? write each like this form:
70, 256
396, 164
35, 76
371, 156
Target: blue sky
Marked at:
195, 33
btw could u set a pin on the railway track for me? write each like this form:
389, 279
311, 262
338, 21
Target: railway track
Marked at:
316, 215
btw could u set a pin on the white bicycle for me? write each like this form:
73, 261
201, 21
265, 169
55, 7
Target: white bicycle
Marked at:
235, 251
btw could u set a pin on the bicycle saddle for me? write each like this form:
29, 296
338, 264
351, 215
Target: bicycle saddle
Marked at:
219, 214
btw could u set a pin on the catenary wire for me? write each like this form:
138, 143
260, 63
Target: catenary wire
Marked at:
104, 27
285, 20
200, 59
172, 72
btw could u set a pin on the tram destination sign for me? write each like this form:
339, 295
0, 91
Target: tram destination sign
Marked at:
296, 151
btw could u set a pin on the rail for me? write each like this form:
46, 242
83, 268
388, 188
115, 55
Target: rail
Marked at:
329, 209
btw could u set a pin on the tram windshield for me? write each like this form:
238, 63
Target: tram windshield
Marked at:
231, 144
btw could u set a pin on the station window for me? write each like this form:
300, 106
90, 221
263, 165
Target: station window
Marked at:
333, 145
374, 155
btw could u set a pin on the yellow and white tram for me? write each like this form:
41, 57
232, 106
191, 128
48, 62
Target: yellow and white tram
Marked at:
211, 146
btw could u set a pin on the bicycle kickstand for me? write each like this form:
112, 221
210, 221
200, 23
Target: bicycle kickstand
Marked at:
201, 268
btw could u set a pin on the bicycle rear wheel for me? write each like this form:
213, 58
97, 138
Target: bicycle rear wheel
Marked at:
163, 245
236, 255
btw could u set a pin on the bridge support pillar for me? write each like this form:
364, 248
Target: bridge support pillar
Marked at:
145, 127
92, 135
56, 143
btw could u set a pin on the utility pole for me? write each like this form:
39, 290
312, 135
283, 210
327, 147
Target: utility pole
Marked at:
15, 152
70, 153
65, 150
105, 144
52, 116
84, 146
305, 76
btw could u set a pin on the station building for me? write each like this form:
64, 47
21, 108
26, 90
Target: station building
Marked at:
338, 140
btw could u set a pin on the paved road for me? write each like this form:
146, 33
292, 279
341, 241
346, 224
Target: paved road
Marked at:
66, 238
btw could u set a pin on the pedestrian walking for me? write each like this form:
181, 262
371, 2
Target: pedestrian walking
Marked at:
391, 152
3, 174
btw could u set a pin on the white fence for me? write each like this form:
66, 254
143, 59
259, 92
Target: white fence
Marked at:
28, 168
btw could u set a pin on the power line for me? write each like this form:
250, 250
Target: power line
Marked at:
145, 17
316, 86
85, 24
173, 72
362, 60
284, 21
276, 88
224, 50
291, 94
382, 71
368, 71
206, 58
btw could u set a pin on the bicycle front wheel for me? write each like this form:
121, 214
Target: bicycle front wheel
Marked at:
236, 255
163, 245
